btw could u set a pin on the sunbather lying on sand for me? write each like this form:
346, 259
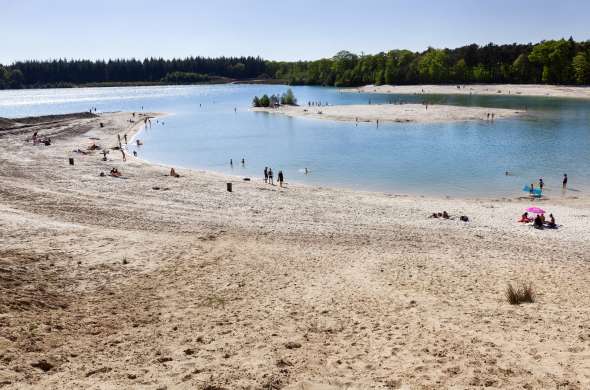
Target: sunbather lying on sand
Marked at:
525, 218
443, 215
115, 172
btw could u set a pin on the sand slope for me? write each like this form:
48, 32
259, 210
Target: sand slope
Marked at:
111, 283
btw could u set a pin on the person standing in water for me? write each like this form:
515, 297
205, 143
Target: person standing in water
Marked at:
270, 179
564, 181
231, 162
243, 162
541, 184
266, 174
280, 178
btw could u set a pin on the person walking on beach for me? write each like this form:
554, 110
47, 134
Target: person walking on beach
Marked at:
270, 179
125, 136
123, 153
280, 178
266, 174
564, 181
541, 184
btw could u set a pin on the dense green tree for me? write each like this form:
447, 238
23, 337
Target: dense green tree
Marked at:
433, 66
289, 98
16, 78
553, 57
460, 72
3, 77
264, 101
581, 67
185, 78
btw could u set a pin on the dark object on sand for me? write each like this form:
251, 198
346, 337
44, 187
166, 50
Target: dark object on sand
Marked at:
101, 124
246, 179
464, 218
229, 187
71, 161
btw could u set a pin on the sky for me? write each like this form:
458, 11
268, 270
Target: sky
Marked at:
275, 30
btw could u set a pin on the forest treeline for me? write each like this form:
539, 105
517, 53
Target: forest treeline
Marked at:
549, 62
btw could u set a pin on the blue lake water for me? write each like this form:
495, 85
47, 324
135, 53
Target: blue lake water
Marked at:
455, 159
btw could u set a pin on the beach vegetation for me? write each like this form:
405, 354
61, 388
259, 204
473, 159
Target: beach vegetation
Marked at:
522, 293
287, 98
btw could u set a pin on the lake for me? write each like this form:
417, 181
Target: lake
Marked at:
211, 124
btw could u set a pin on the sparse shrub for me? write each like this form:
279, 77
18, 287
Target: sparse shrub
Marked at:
523, 293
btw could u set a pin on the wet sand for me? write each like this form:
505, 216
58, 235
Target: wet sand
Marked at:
149, 281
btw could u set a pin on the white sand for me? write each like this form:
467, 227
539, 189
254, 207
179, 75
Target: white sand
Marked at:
394, 113
483, 89
119, 285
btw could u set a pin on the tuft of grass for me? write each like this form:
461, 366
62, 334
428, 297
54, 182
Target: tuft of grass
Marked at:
522, 293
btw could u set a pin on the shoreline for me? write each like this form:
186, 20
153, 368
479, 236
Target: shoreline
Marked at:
150, 280
400, 113
237, 178
530, 90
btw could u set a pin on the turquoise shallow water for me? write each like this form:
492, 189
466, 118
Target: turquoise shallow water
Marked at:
455, 159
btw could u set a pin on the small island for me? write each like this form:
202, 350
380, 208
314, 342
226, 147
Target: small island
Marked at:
401, 113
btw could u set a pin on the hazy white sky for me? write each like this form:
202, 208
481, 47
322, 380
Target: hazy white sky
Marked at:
279, 30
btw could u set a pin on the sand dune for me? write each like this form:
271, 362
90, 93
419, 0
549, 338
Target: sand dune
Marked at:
481, 89
394, 113
154, 282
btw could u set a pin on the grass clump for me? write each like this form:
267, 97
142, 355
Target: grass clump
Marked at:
522, 293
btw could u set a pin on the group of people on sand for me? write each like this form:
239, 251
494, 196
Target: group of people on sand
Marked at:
317, 104
490, 116
269, 177
40, 140
539, 222
445, 215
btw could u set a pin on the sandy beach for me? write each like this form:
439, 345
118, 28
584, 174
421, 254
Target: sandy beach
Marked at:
394, 113
481, 89
154, 282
